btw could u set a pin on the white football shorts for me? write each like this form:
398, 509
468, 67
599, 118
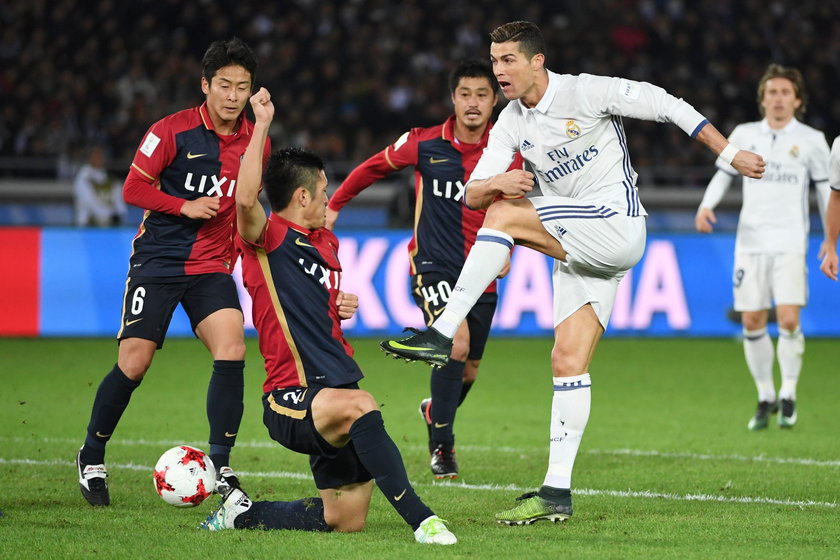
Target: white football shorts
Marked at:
601, 246
760, 279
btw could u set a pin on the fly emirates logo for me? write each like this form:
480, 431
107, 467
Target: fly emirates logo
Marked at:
566, 163
209, 185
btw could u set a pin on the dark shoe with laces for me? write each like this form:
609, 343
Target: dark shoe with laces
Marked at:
787, 414
762, 415
444, 464
92, 482
226, 480
426, 346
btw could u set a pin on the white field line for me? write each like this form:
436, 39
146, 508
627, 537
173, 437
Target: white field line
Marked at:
163, 444
479, 487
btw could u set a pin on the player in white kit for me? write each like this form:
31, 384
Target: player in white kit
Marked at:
772, 236
828, 251
589, 219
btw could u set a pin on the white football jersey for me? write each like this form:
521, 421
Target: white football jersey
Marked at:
774, 213
574, 139
834, 165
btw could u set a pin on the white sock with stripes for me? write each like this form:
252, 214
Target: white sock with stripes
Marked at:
569, 415
486, 259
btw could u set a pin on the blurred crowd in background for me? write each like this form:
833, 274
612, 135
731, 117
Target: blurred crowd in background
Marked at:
349, 76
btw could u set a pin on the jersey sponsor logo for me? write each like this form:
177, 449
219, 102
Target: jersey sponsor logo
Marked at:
302, 243
328, 278
191, 155
228, 434
438, 425
215, 188
448, 189
779, 174
129, 323
567, 163
572, 129
433, 159
525, 146
149, 144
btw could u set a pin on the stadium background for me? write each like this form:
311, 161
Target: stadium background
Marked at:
348, 78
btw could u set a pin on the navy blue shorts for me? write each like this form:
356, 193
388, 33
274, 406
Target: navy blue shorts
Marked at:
287, 413
431, 293
148, 303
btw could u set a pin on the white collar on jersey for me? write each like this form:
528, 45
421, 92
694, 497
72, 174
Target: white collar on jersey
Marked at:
548, 96
788, 128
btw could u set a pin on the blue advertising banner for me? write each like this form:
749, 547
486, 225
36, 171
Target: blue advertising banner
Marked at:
682, 287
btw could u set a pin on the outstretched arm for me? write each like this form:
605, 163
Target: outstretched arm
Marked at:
746, 163
250, 215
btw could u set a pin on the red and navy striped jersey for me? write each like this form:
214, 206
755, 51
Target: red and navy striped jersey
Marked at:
183, 158
294, 277
444, 227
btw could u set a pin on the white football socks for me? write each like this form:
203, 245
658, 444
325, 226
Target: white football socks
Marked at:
758, 350
486, 259
569, 415
789, 350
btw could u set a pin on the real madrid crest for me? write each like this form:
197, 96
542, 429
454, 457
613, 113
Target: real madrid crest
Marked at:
794, 151
572, 129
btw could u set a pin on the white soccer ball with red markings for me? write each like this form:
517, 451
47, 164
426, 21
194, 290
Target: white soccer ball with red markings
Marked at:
184, 476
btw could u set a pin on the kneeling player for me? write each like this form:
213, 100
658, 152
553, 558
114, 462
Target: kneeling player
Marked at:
312, 403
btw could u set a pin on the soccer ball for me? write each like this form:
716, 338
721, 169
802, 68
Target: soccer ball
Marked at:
184, 476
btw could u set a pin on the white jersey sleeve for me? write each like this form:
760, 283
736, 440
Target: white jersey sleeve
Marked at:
834, 165
638, 100
500, 151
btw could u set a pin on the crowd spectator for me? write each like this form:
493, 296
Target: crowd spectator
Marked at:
348, 76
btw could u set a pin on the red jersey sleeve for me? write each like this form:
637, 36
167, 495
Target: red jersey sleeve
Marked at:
142, 186
398, 155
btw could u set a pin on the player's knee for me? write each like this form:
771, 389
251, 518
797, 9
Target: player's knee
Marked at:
471, 371
788, 323
565, 362
135, 366
360, 403
460, 349
498, 215
343, 522
234, 350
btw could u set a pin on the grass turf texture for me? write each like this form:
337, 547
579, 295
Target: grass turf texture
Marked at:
667, 467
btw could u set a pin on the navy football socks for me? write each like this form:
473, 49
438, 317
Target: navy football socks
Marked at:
380, 456
446, 386
108, 406
224, 405
304, 515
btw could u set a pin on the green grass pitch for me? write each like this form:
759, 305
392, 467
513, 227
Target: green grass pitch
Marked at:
667, 468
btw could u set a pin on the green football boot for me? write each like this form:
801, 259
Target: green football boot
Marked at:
426, 346
533, 508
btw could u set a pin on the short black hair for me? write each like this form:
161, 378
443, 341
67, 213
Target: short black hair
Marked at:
472, 68
226, 53
286, 171
527, 34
